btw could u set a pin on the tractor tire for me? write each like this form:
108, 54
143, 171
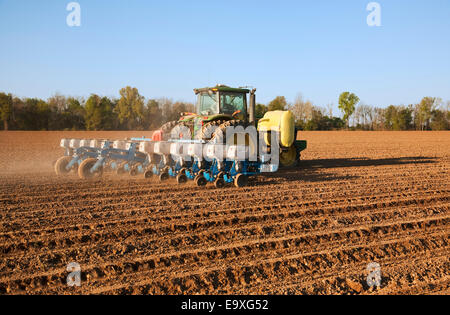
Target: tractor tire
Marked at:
181, 131
84, 170
221, 137
209, 129
61, 164
167, 128
240, 181
172, 126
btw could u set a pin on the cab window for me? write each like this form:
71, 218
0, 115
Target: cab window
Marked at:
208, 104
232, 103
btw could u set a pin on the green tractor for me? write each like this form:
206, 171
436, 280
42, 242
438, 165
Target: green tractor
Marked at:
215, 107
220, 107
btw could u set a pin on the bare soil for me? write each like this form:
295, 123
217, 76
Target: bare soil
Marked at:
357, 198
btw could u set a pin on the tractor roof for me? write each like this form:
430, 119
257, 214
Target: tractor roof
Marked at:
222, 88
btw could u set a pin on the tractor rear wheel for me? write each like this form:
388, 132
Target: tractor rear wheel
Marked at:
233, 138
61, 164
181, 131
84, 170
167, 128
176, 129
209, 129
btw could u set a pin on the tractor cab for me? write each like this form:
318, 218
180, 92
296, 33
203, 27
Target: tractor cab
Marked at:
222, 102
215, 107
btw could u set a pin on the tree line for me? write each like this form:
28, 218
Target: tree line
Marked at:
131, 111
430, 113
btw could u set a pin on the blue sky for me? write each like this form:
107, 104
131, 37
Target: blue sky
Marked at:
166, 48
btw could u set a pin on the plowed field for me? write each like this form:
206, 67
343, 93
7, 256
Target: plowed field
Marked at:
357, 198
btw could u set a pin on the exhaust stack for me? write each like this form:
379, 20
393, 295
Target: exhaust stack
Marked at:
251, 108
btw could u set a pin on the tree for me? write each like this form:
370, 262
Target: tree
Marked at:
179, 108
316, 121
58, 101
390, 117
359, 116
18, 114
378, 121
93, 117
330, 109
99, 113
347, 103
260, 110
302, 110
423, 112
6, 109
74, 115
439, 120
153, 116
166, 108
57, 106
130, 108
398, 117
278, 103
365, 114
36, 114
404, 118
320, 121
